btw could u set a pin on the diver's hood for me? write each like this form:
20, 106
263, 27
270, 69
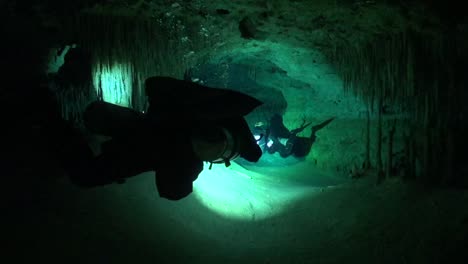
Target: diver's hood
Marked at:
245, 144
168, 96
188, 103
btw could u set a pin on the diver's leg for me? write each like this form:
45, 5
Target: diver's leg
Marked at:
107, 169
74, 153
87, 175
123, 158
287, 150
116, 167
117, 161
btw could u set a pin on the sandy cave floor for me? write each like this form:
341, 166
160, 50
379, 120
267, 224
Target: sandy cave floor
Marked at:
355, 222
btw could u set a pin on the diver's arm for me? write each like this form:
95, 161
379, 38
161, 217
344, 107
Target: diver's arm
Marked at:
283, 150
174, 180
298, 130
301, 128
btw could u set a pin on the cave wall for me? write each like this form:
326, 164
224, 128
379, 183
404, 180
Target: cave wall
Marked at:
123, 51
418, 76
399, 57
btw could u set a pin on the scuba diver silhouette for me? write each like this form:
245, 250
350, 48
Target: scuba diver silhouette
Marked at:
296, 146
185, 125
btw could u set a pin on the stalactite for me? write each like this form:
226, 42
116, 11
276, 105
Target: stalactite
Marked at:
449, 170
379, 139
426, 141
391, 134
450, 127
412, 161
367, 161
126, 50
412, 72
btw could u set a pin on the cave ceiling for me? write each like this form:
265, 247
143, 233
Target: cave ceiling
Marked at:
318, 24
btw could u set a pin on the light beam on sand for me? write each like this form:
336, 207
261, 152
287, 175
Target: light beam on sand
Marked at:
236, 193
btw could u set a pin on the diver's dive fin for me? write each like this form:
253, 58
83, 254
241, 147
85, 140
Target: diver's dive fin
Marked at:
321, 125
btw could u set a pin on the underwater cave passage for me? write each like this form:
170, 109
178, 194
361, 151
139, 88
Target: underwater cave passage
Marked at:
296, 169
301, 94
374, 93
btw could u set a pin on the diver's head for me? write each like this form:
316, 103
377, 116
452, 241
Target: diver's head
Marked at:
214, 144
224, 140
276, 118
